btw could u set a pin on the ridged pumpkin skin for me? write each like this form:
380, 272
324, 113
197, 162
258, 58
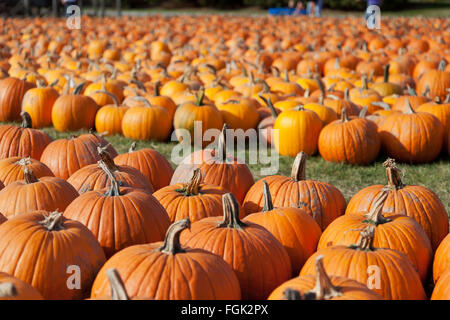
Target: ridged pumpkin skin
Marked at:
92, 177
294, 228
108, 119
441, 258
417, 202
32, 252
298, 130
442, 288
152, 164
12, 91
38, 102
65, 156
399, 233
412, 137
437, 81
30, 194
12, 169
24, 290
119, 221
217, 168
321, 200
442, 112
398, 278
260, 261
73, 112
353, 141
22, 142
164, 271
239, 114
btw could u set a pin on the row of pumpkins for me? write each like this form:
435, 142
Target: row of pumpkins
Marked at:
343, 97
137, 229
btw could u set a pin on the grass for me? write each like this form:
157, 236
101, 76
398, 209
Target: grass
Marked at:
347, 178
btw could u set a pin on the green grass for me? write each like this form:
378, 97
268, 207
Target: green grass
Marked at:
347, 178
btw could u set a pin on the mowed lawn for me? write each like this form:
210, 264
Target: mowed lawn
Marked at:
347, 178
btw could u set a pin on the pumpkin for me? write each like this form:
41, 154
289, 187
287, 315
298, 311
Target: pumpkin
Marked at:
93, 177
194, 200
414, 201
296, 230
22, 141
12, 169
298, 130
165, 102
441, 258
265, 126
412, 100
435, 82
217, 168
321, 286
238, 114
386, 88
38, 103
119, 217
398, 232
37, 240
146, 122
352, 140
74, 111
65, 156
105, 85
188, 115
12, 91
320, 200
30, 194
152, 164
441, 290
169, 271
260, 261
338, 104
12, 288
108, 119
388, 272
412, 137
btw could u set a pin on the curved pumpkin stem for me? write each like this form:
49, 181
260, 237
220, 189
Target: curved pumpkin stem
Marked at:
230, 213
200, 98
106, 157
110, 94
118, 291
192, 187
344, 116
347, 94
272, 108
29, 175
375, 215
142, 99
324, 289
172, 241
114, 189
409, 109
321, 85
442, 65
78, 88
298, 172
366, 241
386, 73
53, 222
222, 145
132, 147
292, 294
24, 162
363, 112
8, 290
392, 174
157, 88
268, 204
26, 120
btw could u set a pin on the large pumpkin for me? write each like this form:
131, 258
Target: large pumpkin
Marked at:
412, 137
351, 140
30, 194
22, 141
93, 177
435, 82
12, 169
260, 261
417, 202
12, 91
108, 119
441, 258
38, 102
320, 200
119, 217
65, 156
12, 288
298, 130
74, 111
321, 286
385, 271
296, 230
398, 232
43, 245
169, 271
150, 163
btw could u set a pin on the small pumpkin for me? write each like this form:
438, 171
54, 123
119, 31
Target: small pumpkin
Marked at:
38, 103
108, 119
12, 288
